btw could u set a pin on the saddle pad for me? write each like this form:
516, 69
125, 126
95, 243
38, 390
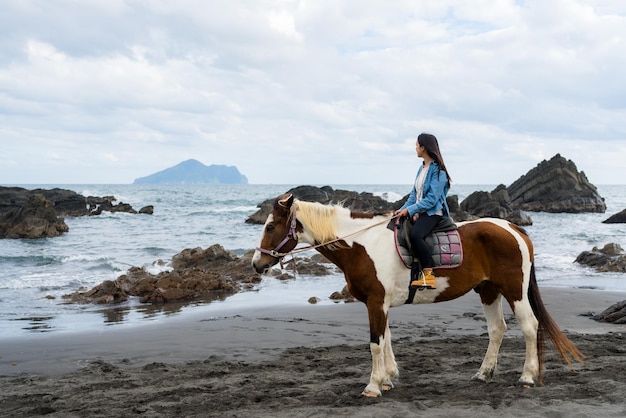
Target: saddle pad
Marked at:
446, 248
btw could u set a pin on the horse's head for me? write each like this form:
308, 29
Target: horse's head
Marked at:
279, 235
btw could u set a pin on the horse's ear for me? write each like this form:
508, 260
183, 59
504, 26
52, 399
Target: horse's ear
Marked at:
286, 201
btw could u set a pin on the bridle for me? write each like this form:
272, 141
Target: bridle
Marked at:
292, 235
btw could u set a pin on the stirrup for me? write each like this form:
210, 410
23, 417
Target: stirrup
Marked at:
424, 282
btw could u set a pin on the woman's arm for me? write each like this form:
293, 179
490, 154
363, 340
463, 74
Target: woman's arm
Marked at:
434, 190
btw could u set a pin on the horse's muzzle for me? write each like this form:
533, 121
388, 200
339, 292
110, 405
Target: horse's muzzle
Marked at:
258, 263
261, 268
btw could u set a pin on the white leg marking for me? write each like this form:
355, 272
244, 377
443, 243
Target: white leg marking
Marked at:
378, 370
529, 325
496, 327
391, 367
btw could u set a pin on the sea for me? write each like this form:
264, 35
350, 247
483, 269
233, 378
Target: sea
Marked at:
35, 274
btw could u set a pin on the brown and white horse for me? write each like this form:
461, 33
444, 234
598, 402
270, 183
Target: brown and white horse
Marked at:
498, 262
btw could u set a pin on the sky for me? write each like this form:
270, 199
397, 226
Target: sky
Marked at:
312, 91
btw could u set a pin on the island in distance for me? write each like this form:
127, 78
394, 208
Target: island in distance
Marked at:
194, 172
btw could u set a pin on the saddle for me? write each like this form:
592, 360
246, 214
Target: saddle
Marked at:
444, 242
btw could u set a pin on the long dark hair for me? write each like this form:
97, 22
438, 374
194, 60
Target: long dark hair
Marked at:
431, 144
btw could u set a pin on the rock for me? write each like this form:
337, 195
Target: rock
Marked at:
39, 213
618, 218
147, 210
456, 213
615, 314
359, 202
344, 295
555, 186
28, 215
611, 249
494, 204
196, 274
312, 268
367, 202
608, 259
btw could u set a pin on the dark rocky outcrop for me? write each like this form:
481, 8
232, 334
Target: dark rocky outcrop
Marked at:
494, 204
482, 204
30, 216
618, 218
147, 210
39, 213
555, 186
196, 274
615, 314
358, 202
200, 275
610, 258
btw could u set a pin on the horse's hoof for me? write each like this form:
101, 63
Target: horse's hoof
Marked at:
480, 378
525, 384
387, 387
371, 391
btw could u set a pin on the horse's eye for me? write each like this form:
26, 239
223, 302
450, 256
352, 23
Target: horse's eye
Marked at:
269, 228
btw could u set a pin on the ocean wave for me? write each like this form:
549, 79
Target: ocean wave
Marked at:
84, 258
42, 281
389, 196
28, 260
156, 251
223, 209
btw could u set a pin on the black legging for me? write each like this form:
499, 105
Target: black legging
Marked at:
422, 227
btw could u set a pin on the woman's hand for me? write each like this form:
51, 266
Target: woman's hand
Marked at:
402, 212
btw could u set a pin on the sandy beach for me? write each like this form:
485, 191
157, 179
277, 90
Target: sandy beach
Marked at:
314, 361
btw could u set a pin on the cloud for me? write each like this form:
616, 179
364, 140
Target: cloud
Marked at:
315, 92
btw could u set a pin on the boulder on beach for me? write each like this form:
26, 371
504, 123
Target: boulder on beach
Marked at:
196, 274
610, 258
615, 314
555, 186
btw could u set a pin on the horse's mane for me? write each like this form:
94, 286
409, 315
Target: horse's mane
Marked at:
319, 219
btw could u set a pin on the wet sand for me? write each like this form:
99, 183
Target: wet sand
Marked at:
313, 361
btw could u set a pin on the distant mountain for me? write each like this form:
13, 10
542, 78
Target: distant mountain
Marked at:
194, 172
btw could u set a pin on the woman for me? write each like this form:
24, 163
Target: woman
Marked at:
425, 207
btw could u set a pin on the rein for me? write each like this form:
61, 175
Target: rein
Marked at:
292, 235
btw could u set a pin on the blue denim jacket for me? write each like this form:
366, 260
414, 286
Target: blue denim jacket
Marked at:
434, 193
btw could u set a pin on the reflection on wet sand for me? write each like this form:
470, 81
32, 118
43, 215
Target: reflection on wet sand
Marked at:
119, 314
122, 313
37, 323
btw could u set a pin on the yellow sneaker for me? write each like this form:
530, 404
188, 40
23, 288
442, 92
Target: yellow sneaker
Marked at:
426, 280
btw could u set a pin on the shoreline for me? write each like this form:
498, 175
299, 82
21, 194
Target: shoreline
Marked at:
259, 333
312, 361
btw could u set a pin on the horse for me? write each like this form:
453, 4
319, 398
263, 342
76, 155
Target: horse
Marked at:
498, 263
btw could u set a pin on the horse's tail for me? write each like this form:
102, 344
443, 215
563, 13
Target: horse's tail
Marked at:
548, 326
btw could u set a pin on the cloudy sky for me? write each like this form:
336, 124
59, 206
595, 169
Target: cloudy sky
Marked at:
311, 91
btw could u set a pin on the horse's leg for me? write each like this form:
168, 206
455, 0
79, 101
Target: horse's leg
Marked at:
378, 342
496, 326
529, 325
391, 367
